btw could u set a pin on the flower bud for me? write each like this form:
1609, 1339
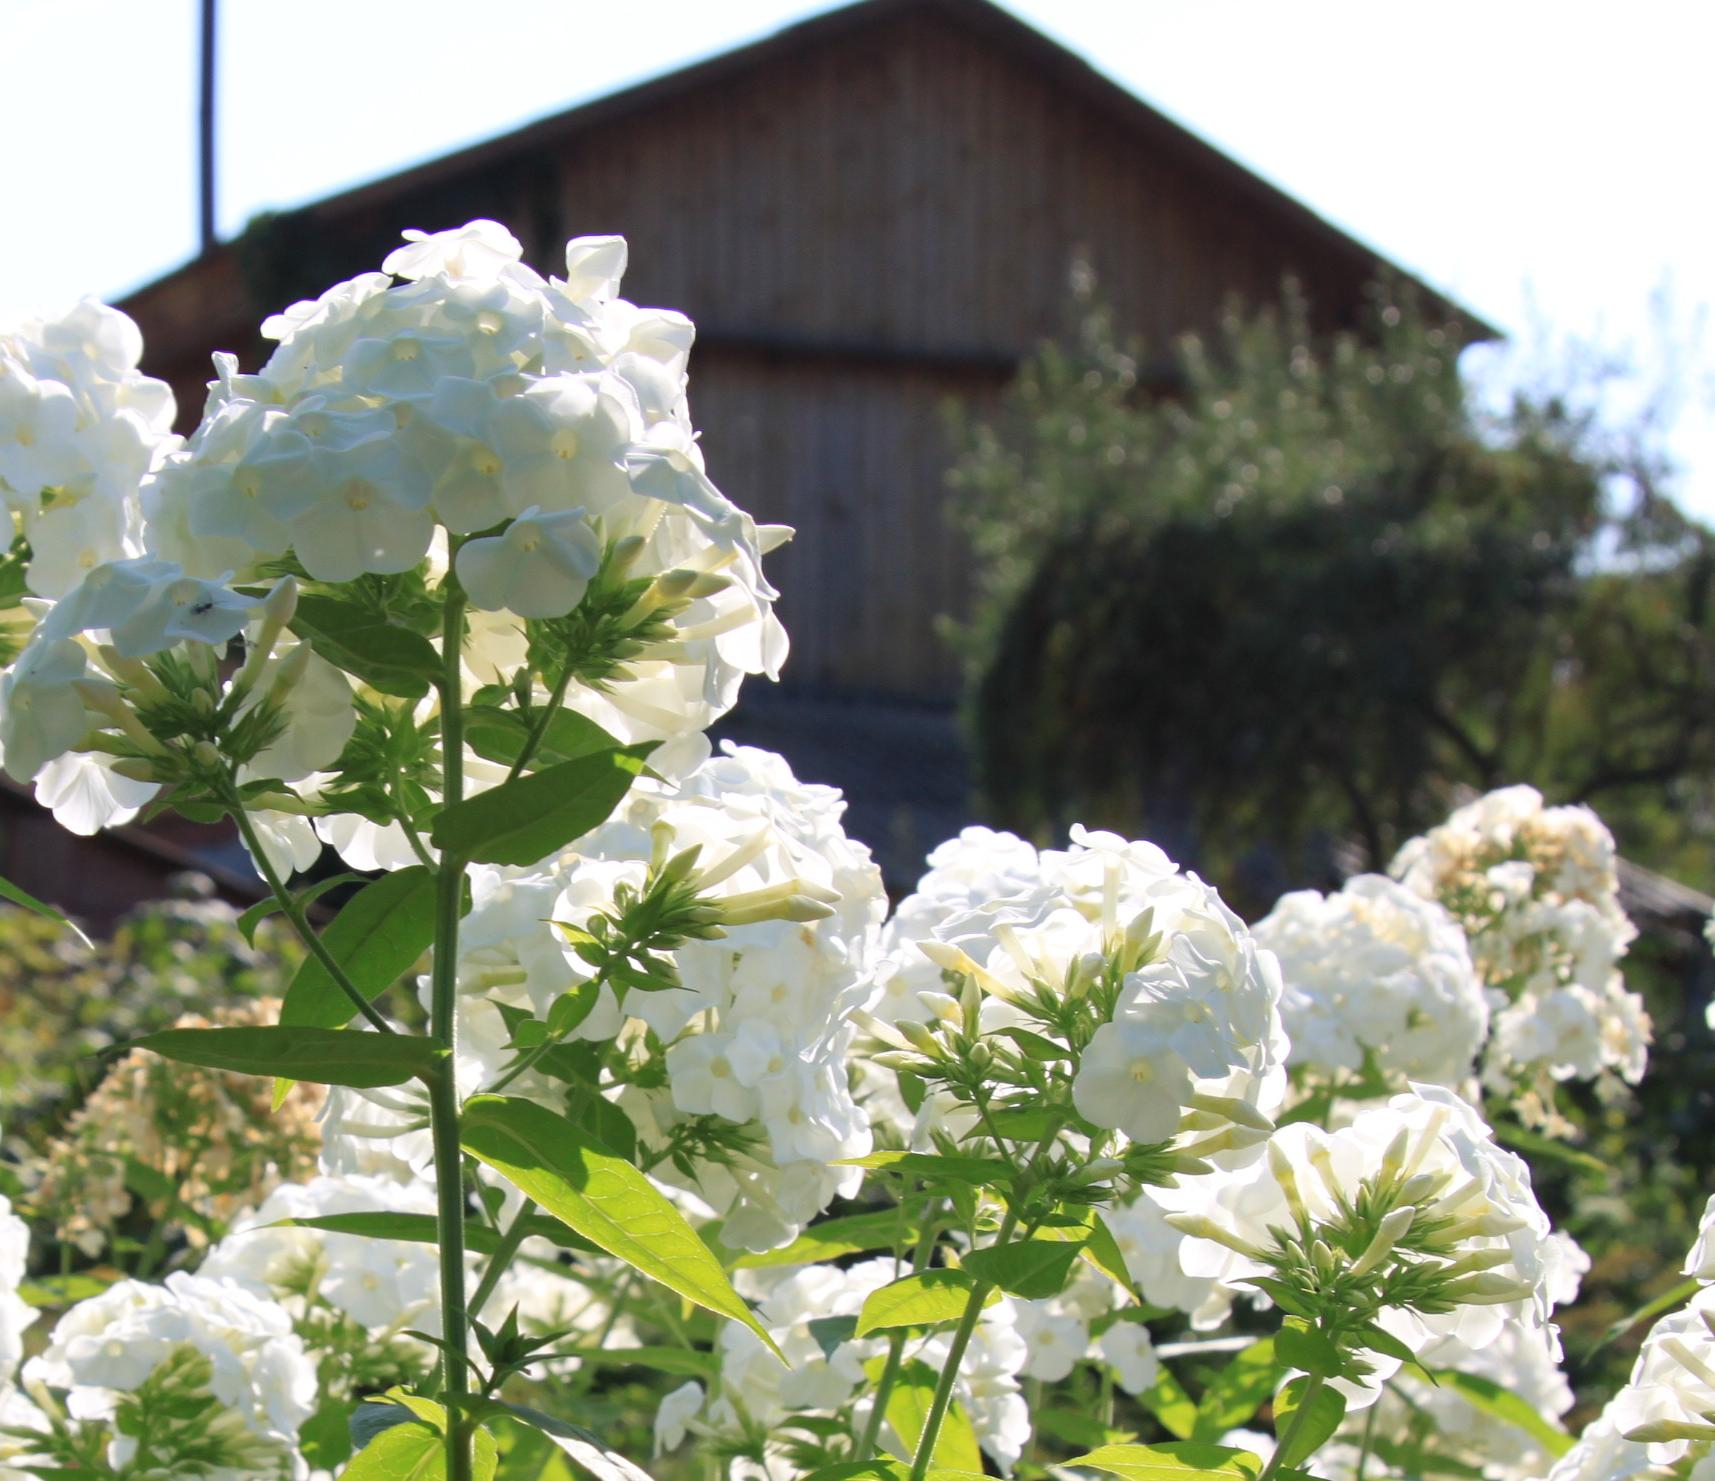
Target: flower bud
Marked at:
1230, 1108
131, 672
921, 1039
901, 1061
1663, 1430
1388, 1233
1199, 1226
288, 675
1097, 1171
623, 553
1487, 1289
280, 606
940, 1006
1281, 1166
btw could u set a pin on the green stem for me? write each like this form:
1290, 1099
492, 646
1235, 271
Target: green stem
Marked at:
294, 912
943, 1399
533, 740
1306, 1401
501, 1259
896, 1342
552, 1041
443, 1088
1369, 1439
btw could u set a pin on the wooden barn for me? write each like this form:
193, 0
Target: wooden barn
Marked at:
868, 215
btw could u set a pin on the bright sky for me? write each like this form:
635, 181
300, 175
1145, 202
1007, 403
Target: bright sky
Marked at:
1544, 161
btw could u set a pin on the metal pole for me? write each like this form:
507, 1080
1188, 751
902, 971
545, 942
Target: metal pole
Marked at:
205, 131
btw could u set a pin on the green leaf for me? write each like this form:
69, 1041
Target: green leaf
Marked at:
499, 735
538, 814
1080, 1431
1302, 1437
1237, 1391
586, 1450
1300, 1345
922, 1300
832, 1238
262, 909
1379, 1339
20, 896
1167, 1400
1103, 1251
1173, 1461
831, 1332
684, 1362
424, 1229
603, 1198
417, 1452
326, 1056
382, 654
1036, 1046
1032, 1268
1670, 1298
376, 938
932, 1166
908, 1411
324, 1439
64, 1290
1550, 1149
1024, 1123
1490, 1398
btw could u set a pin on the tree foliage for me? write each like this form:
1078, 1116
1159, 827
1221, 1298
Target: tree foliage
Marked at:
1309, 590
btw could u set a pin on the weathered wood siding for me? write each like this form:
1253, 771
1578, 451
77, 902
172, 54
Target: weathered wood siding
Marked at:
862, 228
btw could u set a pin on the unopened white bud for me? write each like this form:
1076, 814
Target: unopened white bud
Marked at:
1098, 1171
280, 606
1200, 1226
288, 675
1388, 1233
1487, 1289
1231, 1108
941, 1006
1281, 1166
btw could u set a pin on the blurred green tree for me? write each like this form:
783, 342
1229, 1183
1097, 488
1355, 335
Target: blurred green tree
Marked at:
1304, 590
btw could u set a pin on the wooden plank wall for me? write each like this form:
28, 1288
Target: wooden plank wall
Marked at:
861, 230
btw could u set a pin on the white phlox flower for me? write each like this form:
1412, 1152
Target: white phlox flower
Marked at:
540, 566
1377, 969
108, 1347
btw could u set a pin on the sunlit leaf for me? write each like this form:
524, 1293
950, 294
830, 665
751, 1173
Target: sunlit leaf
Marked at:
525, 820
601, 1197
323, 1055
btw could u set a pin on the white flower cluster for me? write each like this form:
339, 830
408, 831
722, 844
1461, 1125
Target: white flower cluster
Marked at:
1459, 1211
1199, 1013
17, 1411
823, 1376
758, 1033
472, 394
1376, 970
80, 429
1536, 891
107, 1349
